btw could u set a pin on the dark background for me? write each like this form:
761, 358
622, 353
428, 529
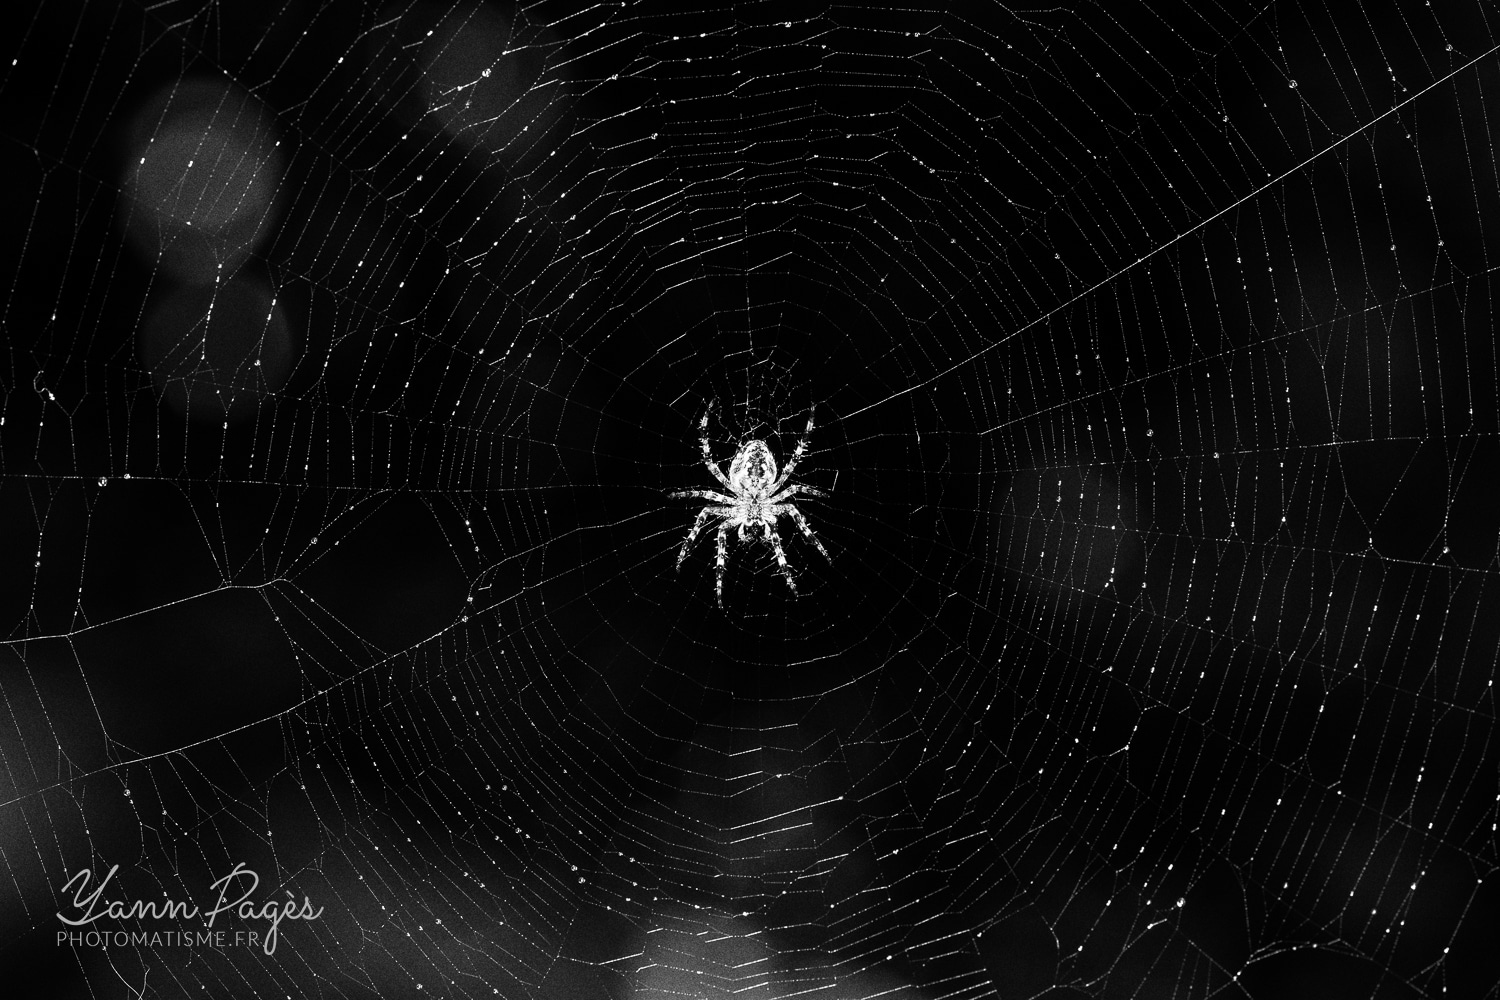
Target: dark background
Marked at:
1155, 381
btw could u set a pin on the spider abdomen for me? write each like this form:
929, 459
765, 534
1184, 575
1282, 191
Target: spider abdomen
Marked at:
753, 468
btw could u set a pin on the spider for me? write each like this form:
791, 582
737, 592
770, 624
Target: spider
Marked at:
756, 498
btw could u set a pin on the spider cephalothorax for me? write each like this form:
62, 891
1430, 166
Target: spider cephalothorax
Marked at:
757, 496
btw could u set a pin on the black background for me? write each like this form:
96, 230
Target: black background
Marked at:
409, 638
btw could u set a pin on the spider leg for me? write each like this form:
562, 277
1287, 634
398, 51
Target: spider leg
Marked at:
794, 489
705, 494
791, 463
719, 571
708, 456
796, 515
786, 571
703, 516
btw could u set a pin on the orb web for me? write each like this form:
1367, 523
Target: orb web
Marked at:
352, 354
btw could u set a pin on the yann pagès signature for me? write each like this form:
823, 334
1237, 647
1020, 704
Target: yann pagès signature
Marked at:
90, 906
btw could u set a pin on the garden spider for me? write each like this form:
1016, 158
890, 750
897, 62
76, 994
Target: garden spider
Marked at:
756, 498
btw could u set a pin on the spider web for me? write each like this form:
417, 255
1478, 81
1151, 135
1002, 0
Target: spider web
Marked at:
351, 354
